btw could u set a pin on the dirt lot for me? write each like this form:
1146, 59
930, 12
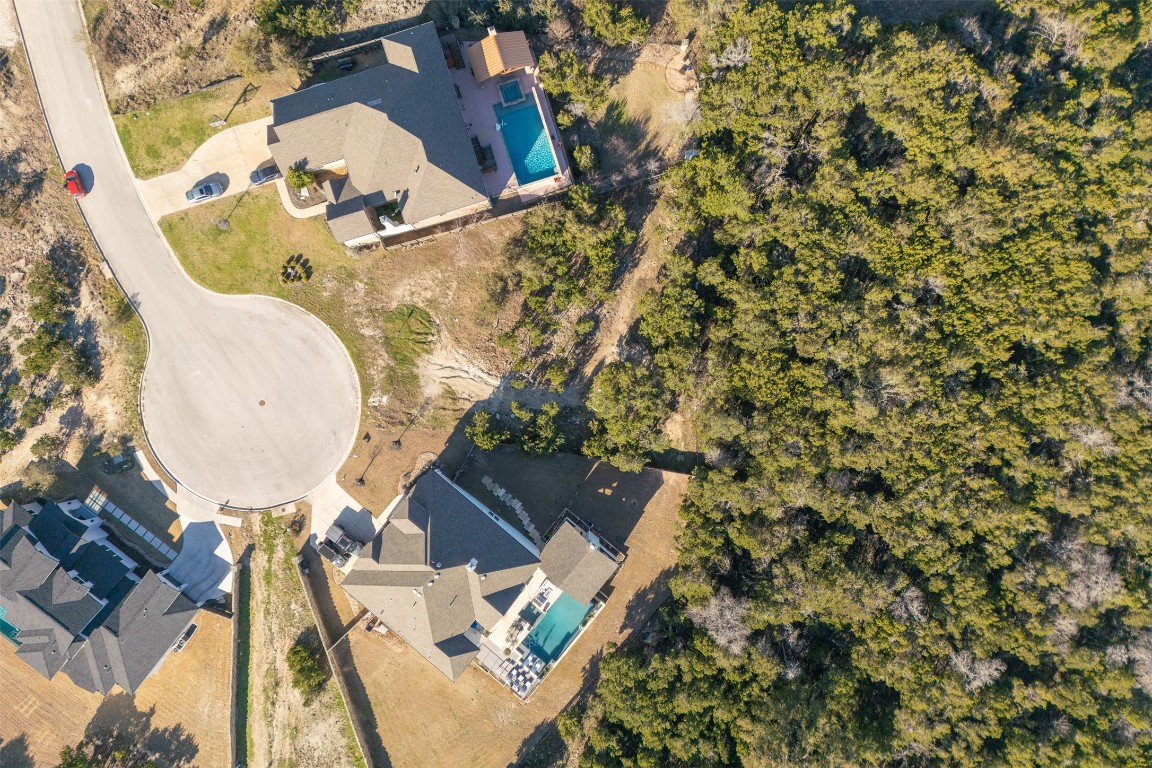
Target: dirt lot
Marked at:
425, 720
148, 52
179, 712
285, 728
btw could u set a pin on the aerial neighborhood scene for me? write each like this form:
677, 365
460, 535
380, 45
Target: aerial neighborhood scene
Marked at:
575, 383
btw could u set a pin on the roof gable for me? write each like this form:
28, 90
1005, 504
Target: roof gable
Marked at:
398, 127
499, 53
575, 564
440, 564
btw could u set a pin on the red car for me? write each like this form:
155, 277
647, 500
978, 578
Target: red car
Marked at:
74, 185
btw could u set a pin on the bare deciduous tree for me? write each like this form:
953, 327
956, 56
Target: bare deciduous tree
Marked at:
1091, 580
735, 55
977, 673
722, 617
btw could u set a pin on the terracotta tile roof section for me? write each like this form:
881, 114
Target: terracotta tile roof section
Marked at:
499, 53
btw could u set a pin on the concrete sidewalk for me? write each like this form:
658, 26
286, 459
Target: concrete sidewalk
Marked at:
228, 158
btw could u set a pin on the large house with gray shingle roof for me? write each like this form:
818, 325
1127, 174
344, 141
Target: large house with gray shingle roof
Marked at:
457, 582
72, 601
394, 137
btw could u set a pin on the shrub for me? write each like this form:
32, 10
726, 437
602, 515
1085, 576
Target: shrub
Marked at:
32, 413
8, 441
302, 20
298, 178
557, 374
76, 371
614, 23
540, 434
47, 447
484, 430
585, 158
307, 671
41, 351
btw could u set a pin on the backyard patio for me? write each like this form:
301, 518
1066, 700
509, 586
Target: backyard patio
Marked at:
514, 132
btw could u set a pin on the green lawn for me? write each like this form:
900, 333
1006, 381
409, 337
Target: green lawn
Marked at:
248, 256
162, 138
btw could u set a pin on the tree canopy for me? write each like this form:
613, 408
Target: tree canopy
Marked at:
910, 319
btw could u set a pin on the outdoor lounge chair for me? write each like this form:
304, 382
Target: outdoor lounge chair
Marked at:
484, 156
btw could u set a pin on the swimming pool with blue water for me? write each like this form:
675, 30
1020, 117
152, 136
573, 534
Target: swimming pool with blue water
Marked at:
526, 141
555, 630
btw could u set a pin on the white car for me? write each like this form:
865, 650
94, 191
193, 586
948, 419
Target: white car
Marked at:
204, 192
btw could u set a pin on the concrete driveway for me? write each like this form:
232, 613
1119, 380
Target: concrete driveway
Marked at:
229, 158
247, 401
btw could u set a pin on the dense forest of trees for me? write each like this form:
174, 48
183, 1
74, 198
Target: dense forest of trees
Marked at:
912, 320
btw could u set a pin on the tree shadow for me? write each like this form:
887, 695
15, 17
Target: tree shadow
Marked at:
14, 753
643, 603
543, 748
118, 726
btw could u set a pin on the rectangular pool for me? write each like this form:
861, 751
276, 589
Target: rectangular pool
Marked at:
526, 140
551, 635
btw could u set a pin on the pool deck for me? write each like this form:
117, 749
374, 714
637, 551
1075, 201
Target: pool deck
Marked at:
477, 102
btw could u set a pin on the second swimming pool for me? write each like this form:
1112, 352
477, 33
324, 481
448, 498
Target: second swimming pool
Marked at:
526, 141
555, 630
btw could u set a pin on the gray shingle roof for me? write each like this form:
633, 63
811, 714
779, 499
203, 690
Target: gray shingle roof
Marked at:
58, 532
574, 564
397, 126
135, 639
437, 529
115, 632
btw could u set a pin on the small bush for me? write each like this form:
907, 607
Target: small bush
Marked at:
47, 447
302, 20
307, 671
32, 413
484, 430
8, 441
298, 178
585, 158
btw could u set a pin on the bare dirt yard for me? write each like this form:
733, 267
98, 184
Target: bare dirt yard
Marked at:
284, 726
425, 720
179, 714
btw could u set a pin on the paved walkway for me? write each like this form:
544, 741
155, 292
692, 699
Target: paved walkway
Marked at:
228, 158
248, 401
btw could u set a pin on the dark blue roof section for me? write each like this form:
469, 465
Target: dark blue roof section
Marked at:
59, 533
99, 566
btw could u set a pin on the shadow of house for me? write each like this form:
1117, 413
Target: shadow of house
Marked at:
118, 725
546, 486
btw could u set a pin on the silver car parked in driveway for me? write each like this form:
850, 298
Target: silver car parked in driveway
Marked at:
204, 192
264, 173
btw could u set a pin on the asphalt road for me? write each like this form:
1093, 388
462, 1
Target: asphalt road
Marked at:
247, 401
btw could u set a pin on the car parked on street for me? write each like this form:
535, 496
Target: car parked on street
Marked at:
265, 173
74, 184
204, 192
